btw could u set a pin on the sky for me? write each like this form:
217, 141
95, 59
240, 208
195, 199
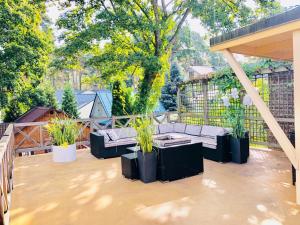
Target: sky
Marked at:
194, 24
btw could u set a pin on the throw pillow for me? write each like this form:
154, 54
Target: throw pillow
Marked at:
113, 135
103, 133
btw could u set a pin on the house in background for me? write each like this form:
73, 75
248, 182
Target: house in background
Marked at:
84, 99
40, 114
102, 104
200, 72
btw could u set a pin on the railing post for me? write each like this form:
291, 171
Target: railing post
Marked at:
205, 101
91, 125
41, 136
179, 104
113, 122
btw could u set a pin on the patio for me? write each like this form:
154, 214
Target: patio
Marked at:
92, 191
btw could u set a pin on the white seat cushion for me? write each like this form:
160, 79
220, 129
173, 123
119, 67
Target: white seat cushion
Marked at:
120, 142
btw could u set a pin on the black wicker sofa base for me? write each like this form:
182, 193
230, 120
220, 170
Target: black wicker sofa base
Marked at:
215, 140
99, 150
221, 153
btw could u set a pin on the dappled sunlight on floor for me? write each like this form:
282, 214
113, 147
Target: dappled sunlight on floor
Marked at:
91, 191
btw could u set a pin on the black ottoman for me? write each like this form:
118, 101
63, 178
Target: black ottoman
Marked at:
130, 168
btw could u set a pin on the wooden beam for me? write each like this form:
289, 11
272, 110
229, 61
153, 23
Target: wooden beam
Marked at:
278, 30
262, 108
296, 54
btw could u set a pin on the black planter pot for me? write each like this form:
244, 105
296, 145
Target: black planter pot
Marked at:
239, 149
147, 166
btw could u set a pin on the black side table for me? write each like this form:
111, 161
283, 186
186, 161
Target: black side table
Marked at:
133, 149
130, 168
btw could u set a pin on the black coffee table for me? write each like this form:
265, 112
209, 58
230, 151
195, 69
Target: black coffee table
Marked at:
178, 161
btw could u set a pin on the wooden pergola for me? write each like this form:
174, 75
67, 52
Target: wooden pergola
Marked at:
278, 38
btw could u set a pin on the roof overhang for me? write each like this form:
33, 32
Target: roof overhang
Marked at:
269, 38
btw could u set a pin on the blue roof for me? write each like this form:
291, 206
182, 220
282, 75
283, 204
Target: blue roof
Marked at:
82, 98
160, 108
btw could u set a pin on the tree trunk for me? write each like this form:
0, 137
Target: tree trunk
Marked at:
141, 104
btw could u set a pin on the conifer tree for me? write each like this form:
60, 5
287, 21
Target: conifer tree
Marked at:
69, 103
169, 91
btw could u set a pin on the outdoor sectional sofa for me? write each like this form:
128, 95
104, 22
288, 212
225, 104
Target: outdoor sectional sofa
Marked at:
114, 142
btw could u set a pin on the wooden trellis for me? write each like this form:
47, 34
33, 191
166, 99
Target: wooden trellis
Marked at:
200, 103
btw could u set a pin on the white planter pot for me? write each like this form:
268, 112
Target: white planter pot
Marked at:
64, 154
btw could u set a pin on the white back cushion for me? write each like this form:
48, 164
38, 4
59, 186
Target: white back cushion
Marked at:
213, 131
179, 127
193, 130
166, 128
127, 132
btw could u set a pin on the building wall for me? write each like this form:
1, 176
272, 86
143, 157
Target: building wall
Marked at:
84, 112
98, 110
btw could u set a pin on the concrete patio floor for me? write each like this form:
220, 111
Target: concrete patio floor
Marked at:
91, 191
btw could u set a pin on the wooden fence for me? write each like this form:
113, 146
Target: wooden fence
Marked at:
33, 137
6, 172
3, 127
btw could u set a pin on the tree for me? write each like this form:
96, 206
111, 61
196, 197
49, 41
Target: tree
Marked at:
28, 98
169, 91
25, 42
69, 104
140, 35
190, 49
121, 104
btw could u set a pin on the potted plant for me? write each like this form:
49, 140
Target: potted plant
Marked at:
147, 158
236, 103
63, 133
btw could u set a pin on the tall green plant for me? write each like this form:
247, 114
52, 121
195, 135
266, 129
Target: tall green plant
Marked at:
144, 129
63, 132
235, 103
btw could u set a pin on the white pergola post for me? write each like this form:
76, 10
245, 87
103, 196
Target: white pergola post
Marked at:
296, 54
266, 114
262, 108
